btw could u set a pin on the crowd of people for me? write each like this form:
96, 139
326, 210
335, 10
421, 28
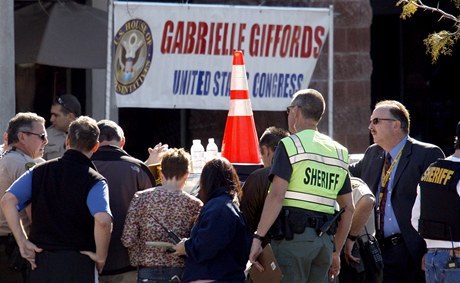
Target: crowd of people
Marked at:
76, 207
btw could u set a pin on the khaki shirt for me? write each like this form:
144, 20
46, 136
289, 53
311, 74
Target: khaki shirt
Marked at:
360, 189
56, 143
12, 166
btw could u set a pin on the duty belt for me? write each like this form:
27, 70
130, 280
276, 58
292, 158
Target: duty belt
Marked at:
301, 219
392, 241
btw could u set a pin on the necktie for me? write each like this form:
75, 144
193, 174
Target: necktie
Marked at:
383, 194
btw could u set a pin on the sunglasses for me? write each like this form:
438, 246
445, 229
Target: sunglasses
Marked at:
41, 136
375, 121
62, 103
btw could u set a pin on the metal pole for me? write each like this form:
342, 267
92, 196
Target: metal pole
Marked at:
109, 75
7, 72
330, 96
183, 128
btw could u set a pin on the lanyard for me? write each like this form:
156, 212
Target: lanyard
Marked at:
386, 175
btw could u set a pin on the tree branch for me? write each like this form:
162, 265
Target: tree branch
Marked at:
438, 43
420, 4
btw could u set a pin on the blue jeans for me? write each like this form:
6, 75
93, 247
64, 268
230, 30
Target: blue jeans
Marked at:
158, 274
437, 270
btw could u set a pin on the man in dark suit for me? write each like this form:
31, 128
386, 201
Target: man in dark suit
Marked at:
395, 187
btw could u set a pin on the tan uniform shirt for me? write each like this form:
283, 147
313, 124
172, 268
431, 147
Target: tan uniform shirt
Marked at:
56, 143
12, 166
360, 189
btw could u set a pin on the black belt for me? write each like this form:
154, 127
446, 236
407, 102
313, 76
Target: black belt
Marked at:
392, 241
298, 227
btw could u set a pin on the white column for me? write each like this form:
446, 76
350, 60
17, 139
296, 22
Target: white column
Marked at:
330, 54
7, 89
100, 105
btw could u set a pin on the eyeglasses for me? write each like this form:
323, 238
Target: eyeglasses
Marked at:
41, 136
289, 109
375, 121
62, 103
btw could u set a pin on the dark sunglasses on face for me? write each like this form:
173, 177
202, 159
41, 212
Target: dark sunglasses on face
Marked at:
41, 136
375, 121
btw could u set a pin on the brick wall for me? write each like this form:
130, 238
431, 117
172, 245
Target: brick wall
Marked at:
352, 75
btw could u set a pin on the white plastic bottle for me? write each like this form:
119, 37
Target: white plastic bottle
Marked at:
198, 158
211, 150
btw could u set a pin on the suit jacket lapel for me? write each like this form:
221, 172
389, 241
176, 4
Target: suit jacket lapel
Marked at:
380, 158
403, 161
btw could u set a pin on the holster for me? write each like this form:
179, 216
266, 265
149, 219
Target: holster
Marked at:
292, 221
288, 233
276, 232
281, 228
335, 224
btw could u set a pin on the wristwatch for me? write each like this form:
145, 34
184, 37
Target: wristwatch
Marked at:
258, 237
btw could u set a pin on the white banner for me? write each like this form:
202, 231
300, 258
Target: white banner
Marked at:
180, 56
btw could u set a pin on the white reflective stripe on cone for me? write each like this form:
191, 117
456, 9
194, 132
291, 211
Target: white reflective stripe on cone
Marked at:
239, 81
240, 107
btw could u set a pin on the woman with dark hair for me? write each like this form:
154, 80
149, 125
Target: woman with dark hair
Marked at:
218, 247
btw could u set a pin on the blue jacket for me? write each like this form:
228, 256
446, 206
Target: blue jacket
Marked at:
219, 244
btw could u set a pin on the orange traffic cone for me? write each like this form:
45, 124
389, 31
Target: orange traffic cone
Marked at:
240, 143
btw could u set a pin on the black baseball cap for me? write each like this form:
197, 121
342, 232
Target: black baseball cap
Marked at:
70, 103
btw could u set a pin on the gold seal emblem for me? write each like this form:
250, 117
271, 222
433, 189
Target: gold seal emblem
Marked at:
133, 55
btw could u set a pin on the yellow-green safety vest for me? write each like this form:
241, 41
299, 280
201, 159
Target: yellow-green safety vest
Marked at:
319, 170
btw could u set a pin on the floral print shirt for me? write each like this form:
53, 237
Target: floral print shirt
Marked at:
177, 211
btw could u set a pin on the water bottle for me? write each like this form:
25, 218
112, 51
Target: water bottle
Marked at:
198, 158
211, 150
